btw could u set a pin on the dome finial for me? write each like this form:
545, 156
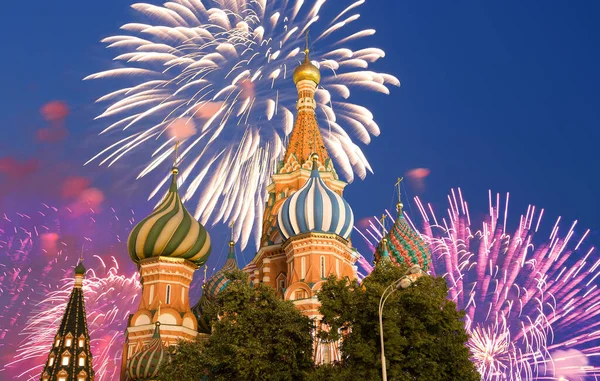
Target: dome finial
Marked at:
80, 269
399, 205
231, 241
306, 50
175, 170
307, 71
382, 221
315, 161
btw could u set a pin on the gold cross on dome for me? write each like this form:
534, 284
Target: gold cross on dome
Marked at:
398, 185
176, 153
382, 221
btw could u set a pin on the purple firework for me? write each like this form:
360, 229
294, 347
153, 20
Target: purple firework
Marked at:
532, 306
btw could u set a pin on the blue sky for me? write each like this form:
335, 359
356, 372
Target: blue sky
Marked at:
494, 95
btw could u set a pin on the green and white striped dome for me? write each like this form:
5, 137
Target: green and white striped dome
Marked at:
170, 231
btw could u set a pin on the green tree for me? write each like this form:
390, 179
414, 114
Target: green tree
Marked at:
424, 335
256, 336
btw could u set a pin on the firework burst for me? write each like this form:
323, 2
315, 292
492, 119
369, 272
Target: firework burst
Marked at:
215, 75
37, 256
532, 308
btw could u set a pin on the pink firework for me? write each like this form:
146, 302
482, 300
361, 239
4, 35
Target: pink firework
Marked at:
532, 305
37, 256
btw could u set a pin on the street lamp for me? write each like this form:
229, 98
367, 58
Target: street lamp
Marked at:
406, 281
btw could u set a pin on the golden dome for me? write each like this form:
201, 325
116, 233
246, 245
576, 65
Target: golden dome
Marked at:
307, 71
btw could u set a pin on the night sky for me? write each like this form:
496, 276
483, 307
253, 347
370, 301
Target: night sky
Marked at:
494, 95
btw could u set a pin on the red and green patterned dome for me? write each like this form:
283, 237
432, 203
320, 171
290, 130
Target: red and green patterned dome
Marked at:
404, 245
144, 365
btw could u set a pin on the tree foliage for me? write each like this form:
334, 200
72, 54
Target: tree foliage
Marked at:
256, 336
424, 335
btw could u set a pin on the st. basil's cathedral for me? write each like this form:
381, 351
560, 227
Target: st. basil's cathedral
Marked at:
305, 239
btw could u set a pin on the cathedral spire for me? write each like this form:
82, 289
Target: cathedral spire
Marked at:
306, 138
70, 358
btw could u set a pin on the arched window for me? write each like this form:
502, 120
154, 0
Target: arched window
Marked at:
81, 341
62, 375
323, 267
299, 294
82, 376
68, 340
81, 359
303, 268
57, 341
168, 299
151, 293
66, 358
51, 360
182, 295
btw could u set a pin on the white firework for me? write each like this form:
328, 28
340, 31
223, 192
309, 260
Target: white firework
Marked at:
216, 76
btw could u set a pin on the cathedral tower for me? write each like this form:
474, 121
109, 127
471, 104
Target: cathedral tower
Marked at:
70, 358
168, 246
307, 223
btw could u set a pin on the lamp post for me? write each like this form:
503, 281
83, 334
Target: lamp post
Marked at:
404, 282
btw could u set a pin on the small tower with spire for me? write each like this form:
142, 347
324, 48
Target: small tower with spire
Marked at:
304, 141
402, 244
168, 246
70, 358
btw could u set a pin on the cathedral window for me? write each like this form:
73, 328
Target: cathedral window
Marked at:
57, 342
69, 340
168, 299
51, 360
81, 341
66, 358
81, 360
323, 267
303, 268
300, 294
182, 295
151, 293
62, 375
82, 376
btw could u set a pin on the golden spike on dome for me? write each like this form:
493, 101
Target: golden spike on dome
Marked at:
231, 241
175, 170
306, 50
399, 205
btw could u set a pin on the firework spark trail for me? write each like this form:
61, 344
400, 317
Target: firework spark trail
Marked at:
37, 256
225, 67
106, 320
533, 312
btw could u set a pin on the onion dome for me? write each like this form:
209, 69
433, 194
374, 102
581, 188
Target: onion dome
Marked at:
403, 245
170, 231
307, 71
315, 208
144, 364
200, 311
219, 281
80, 269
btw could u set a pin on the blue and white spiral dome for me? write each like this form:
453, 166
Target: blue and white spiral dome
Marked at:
315, 208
